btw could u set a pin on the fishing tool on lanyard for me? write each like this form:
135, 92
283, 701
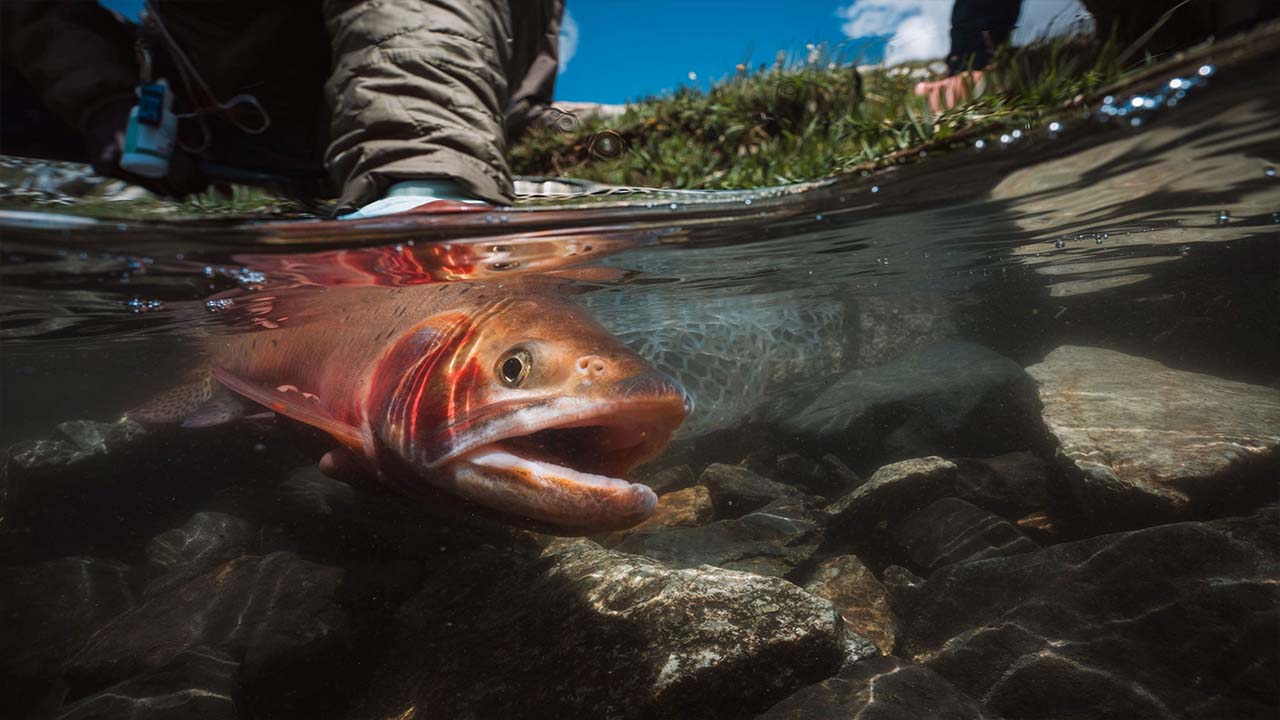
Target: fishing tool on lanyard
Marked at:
152, 132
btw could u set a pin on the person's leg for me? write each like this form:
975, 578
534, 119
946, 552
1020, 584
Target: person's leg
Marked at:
418, 91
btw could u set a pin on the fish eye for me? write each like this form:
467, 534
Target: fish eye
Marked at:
514, 367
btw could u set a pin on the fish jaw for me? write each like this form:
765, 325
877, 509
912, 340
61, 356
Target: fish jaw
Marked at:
566, 470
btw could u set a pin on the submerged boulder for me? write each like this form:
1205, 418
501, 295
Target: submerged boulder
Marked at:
736, 491
47, 611
201, 682
950, 398
1014, 484
880, 688
953, 531
276, 614
1172, 621
577, 631
892, 491
859, 598
1149, 441
206, 540
773, 540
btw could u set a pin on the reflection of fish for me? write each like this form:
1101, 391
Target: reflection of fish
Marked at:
508, 396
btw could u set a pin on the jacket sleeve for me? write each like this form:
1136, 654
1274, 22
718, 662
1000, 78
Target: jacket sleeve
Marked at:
76, 55
978, 27
418, 90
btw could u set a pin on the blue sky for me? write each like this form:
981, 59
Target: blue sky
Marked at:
618, 50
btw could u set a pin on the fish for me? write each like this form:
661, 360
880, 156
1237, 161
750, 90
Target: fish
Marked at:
507, 396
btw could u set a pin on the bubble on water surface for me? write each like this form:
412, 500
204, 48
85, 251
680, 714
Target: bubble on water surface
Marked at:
1224, 217
979, 144
1059, 243
1184, 250
140, 305
219, 304
1269, 172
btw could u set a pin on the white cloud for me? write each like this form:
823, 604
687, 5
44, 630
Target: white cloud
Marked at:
921, 29
568, 40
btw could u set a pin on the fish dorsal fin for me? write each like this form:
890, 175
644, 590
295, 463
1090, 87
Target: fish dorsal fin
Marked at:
299, 405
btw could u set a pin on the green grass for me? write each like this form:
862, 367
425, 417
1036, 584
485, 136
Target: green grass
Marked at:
808, 120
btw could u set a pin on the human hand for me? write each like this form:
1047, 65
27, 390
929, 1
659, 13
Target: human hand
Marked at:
950, 91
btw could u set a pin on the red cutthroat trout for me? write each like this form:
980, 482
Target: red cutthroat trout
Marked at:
507, 395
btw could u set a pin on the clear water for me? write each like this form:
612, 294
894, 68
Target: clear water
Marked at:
1159, 240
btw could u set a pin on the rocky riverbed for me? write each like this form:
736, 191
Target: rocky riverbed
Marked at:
1116, 554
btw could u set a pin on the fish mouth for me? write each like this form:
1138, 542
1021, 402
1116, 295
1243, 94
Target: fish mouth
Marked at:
568, 473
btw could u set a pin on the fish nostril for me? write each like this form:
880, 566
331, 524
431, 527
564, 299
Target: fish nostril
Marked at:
590, 365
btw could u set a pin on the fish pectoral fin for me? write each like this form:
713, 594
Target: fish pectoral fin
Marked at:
295, 403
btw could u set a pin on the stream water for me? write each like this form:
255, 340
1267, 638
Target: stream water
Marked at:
1079, 323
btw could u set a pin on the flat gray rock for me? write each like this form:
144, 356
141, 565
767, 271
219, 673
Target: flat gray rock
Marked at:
578, 631
773, 540
880, 688
953, 531
199, 683
207, 539
1174, 621
1149, 439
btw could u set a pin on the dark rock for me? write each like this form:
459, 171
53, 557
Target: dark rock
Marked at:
736, 491
773, 541
1173, 621
829, 478
200, 682
859, 598
47, 611
951, 398
583, 632
670, 479
1152, 442
880, 688
74, 442
902, 584
206, 540
276, 614
953, 531
1012, 485
892, 492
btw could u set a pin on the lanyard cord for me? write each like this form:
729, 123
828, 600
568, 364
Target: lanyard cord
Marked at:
209, 102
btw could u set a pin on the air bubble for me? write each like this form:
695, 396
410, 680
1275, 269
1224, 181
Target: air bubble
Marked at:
875, 188
1224, 217
979, 144
1185, 250
1055, 126
1269, 172
1059, 243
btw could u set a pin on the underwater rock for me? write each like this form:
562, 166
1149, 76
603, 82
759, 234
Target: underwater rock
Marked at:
578, 631
736, 491
1172, 621
859, 598
886, 328
828, 478
207, 539
47, 611
1150, 441
772, 541
879, 688
276, 614
953, 531
893, 491
951, 398
199, 683
1013, 485
670, 479
74, 442
690, 507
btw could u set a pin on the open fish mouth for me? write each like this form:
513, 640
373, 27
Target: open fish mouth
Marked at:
570, 474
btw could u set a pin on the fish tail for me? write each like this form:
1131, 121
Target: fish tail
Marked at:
202, 402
